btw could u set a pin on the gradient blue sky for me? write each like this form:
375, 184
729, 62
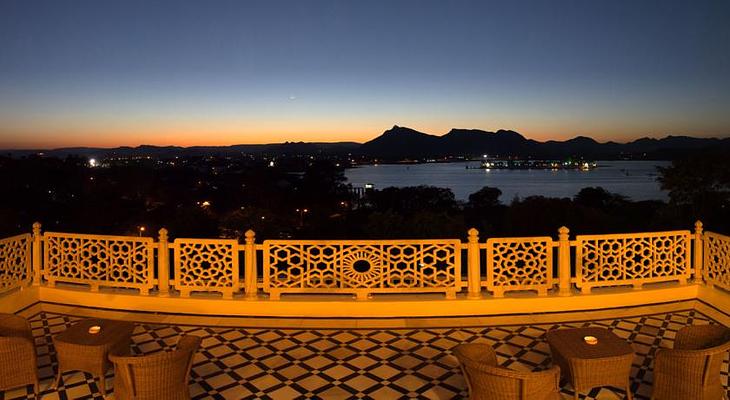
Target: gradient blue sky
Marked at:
103, 73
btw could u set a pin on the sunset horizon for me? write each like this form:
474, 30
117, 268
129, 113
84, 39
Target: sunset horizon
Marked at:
204, 139
185, 73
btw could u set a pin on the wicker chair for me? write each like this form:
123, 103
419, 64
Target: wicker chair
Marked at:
158, 376
488, 381
692, 369
18, 365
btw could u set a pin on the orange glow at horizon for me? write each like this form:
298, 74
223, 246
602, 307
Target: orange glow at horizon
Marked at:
225, 133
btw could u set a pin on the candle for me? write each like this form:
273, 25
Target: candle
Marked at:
590, 339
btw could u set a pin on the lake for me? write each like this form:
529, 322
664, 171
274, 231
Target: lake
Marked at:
634, 179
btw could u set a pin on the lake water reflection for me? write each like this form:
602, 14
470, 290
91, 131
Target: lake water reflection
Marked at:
634, 179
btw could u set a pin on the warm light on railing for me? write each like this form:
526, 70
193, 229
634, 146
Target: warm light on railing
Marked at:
15, 261
365, 267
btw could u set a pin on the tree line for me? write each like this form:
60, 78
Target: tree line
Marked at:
305, 197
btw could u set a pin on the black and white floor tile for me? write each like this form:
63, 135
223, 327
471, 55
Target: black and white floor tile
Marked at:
246, 363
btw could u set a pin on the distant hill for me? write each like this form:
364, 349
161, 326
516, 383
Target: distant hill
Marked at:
172, 151
402, 143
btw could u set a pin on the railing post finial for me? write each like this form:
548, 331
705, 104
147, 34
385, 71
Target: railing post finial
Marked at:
163, 263
698, 226
698, 259
564, 261
474, 276
249, 268
36, 262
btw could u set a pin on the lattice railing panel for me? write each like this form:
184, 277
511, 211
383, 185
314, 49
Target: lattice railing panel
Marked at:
519, 264
15, 268
207, 265
632, 259
99, 260
362, 267
716, 270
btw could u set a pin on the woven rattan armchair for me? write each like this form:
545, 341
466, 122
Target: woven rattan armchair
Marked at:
158, 376
692, 369
488, 381
18, 365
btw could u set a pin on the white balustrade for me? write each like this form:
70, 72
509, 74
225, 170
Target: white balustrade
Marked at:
632, 259
365, 267
15, 262
99, 260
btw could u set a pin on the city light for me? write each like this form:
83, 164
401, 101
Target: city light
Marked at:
92, 162
301, 212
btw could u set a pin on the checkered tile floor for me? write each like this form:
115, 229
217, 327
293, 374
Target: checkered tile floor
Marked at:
235, 363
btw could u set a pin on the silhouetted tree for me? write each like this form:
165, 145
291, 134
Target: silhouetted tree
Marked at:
699, 186
485, 197
599, 197
483, 211
407, 200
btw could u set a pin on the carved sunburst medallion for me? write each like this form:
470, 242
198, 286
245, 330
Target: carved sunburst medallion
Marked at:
362, 268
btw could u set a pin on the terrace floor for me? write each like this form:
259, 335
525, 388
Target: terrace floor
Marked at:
284, 363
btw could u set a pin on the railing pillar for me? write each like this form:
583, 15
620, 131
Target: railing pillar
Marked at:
36, 261
163, 263
564, 261
698, 258
249, 268
474, 275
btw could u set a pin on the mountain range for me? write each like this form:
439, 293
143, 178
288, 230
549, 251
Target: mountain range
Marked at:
405, 143
402, 143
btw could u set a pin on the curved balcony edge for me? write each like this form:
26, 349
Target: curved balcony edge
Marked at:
526, 277
407, 311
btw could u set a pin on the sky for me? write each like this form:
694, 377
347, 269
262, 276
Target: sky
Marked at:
109, 73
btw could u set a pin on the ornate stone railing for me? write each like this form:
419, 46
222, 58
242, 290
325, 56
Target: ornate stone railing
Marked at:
362, 267
15, 262
519, 264
365, 267
99, 260
716, 269
632, 259
206, 265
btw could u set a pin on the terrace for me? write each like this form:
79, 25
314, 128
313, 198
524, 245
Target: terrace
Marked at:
363, 319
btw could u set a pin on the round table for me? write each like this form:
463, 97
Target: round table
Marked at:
79, 350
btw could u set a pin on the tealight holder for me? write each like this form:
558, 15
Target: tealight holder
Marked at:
590, 340
94, 329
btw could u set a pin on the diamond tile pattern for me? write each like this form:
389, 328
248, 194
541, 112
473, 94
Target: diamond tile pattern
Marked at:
245, 363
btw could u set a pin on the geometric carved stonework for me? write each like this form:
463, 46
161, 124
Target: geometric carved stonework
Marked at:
717, 260
14, 262
632, 259
362, 267
99, 260
519, 264
206, 265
